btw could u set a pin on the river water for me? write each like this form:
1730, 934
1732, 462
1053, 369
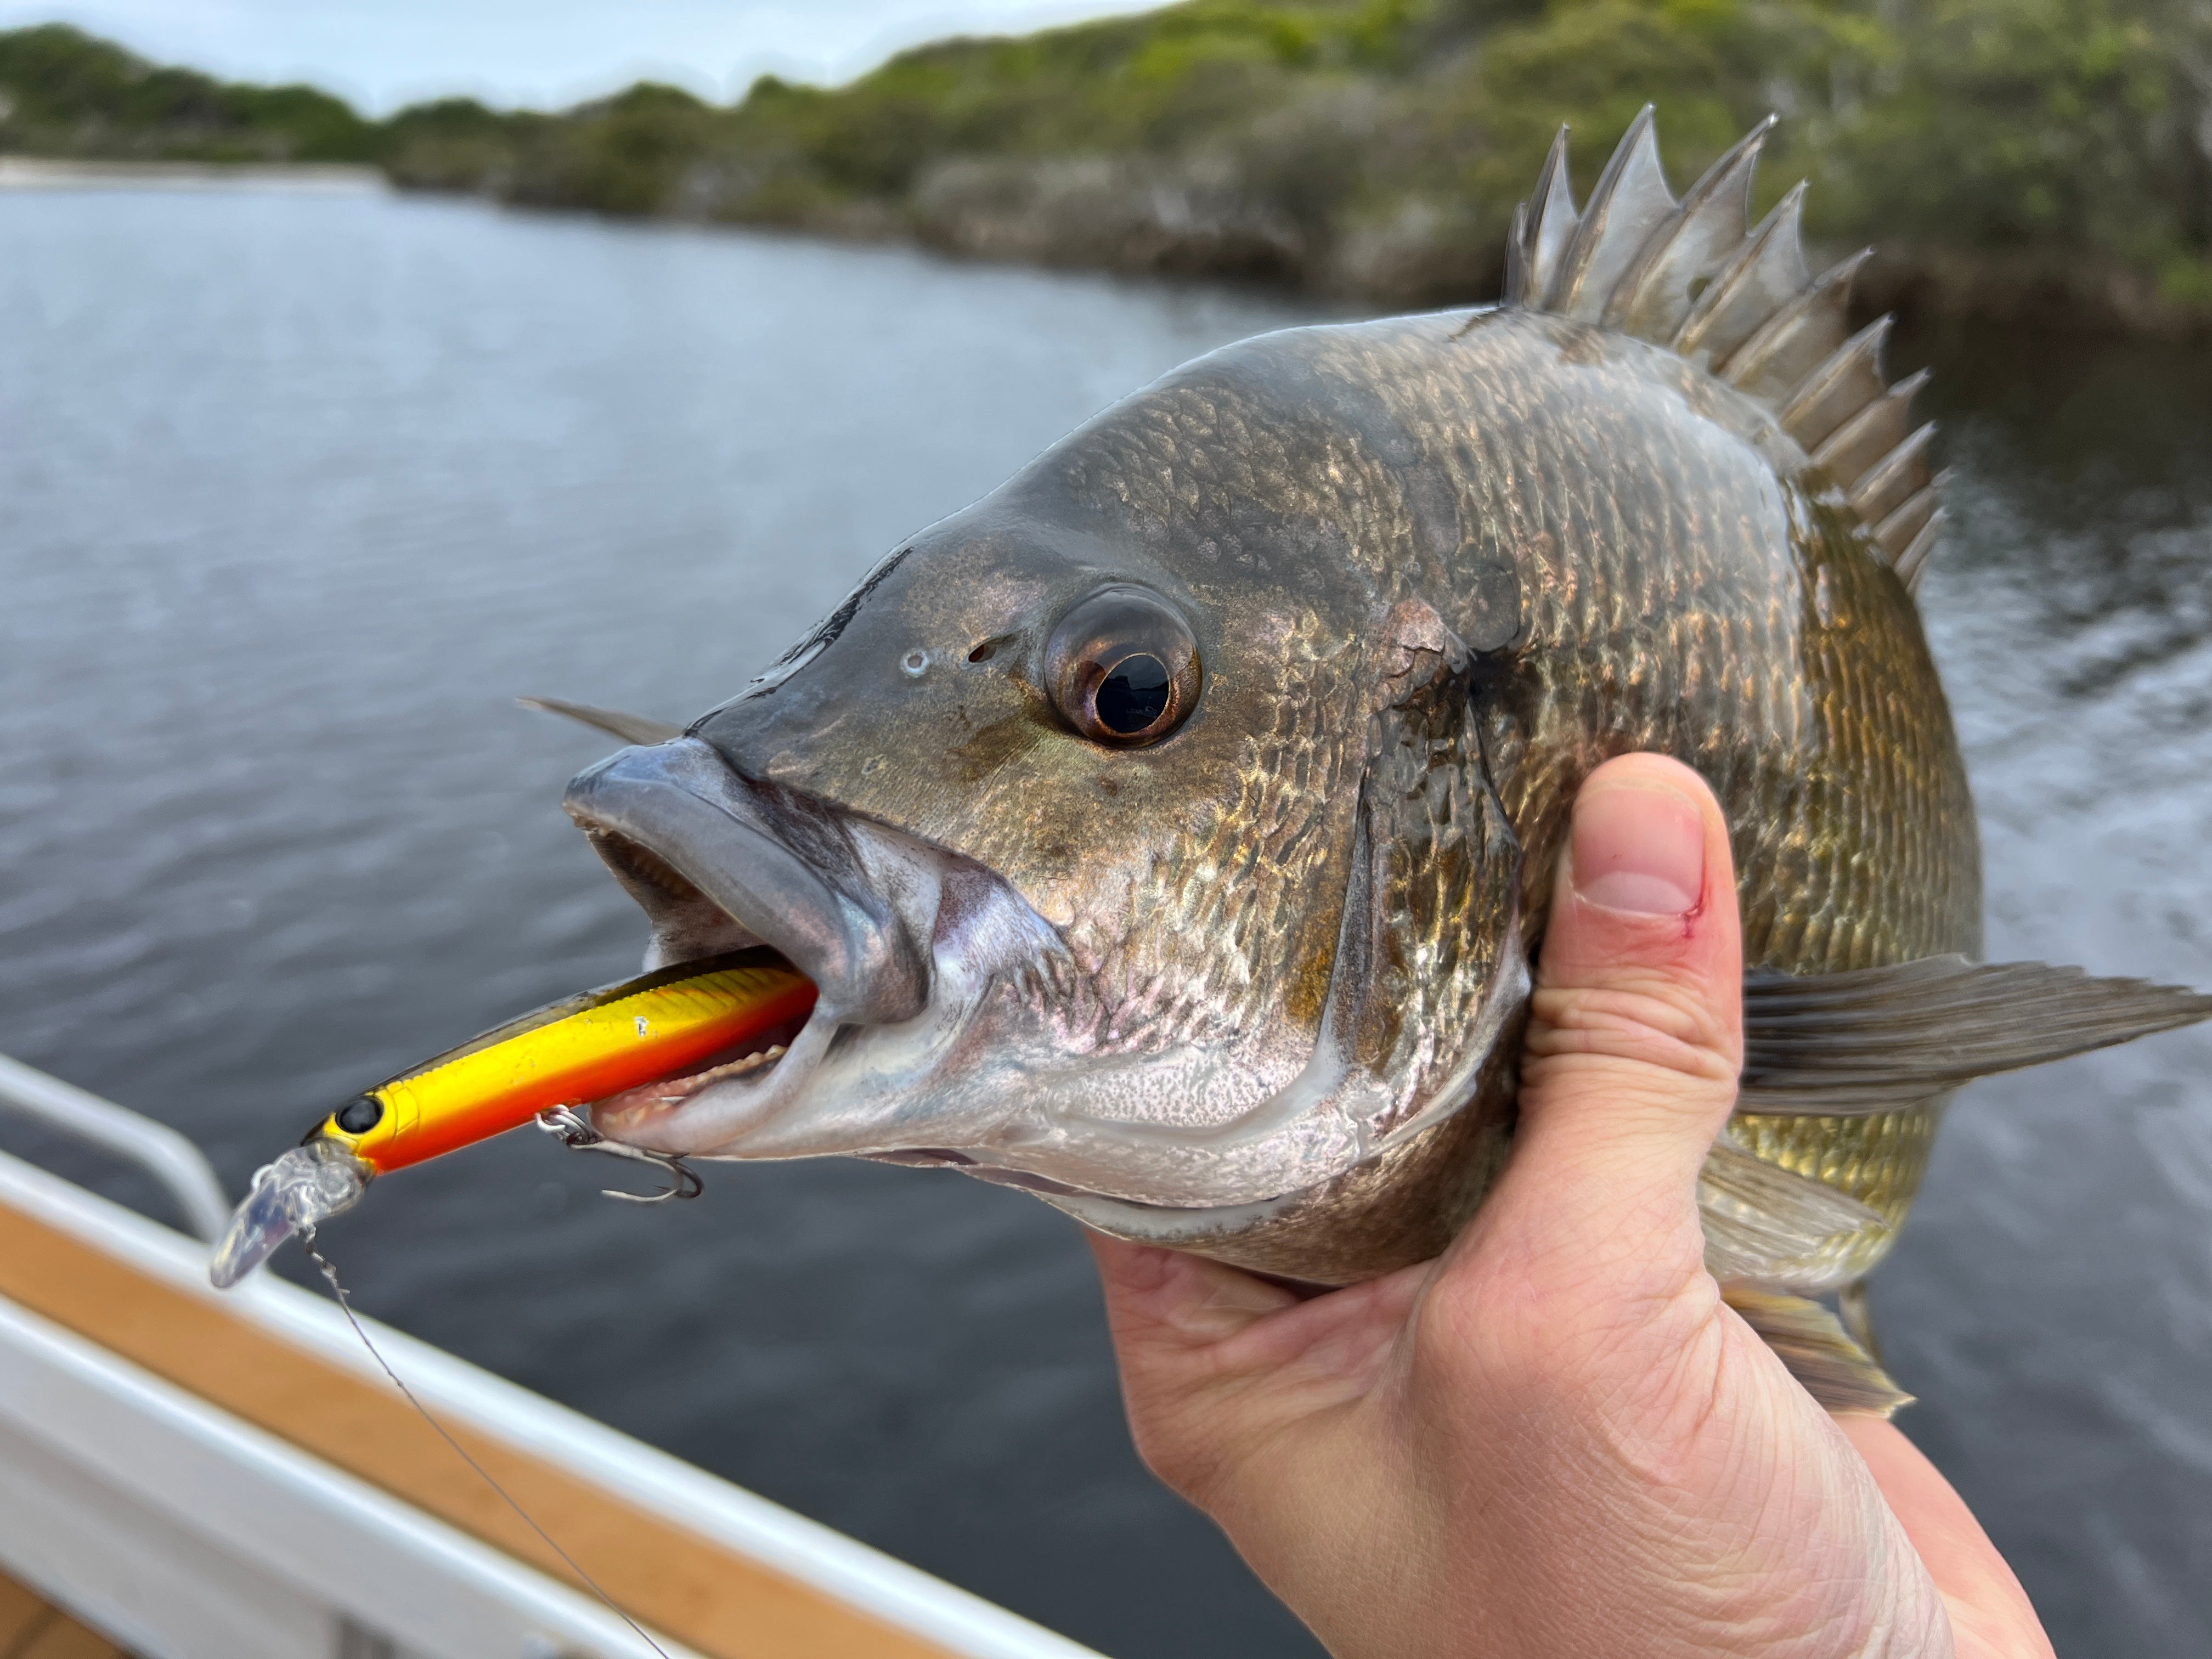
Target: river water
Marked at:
297, 492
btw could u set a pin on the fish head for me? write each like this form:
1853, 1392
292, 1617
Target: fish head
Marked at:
1131, 822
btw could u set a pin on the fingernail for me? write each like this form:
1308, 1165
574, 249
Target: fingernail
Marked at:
1639, 847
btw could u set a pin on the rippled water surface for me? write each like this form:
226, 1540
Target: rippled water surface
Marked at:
295, 493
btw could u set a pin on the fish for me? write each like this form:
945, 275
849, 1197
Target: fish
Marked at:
1170, 834
702, 1020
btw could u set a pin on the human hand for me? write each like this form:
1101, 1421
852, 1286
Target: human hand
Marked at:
1557, 1440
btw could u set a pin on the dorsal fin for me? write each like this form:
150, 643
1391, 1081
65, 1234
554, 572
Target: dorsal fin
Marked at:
1766, 273
1798, 338
631, 728
1847, 382
1746, 307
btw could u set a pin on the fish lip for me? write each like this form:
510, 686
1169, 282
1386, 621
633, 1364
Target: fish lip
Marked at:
778, 864
639, 1119
902, 938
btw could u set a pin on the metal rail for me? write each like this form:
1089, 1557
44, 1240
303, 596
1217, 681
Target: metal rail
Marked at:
181, 1167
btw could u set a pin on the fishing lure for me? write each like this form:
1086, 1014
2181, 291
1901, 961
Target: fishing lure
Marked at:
675, 1021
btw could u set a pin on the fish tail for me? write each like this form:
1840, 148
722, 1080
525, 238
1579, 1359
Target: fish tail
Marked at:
1843, 1376
1858, 1316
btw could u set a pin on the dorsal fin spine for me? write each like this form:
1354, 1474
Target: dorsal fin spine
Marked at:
1798, 338
1626, 206
1853, 448
1659, 287
1914, 561
1912, 564
1632, 261
1765, 272
1550, 224
1516, 258
1893, 480
1896, 532
1849, 380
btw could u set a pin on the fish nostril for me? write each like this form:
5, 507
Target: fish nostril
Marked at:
984, 652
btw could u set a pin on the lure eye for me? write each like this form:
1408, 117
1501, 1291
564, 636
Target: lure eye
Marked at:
1123, 668
361, 1114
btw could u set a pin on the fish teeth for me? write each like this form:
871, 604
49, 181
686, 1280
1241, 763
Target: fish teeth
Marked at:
740, 1067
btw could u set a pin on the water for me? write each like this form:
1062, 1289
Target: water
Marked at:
296, 493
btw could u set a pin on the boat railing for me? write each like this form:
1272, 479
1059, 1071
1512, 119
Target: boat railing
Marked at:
180, 1167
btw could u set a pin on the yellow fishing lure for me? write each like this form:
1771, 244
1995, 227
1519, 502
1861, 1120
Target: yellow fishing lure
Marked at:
674, 1022
584, 1049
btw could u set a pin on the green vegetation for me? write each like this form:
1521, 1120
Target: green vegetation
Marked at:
2012, 156
64, 93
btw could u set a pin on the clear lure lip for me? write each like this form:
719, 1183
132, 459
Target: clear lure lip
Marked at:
296, 1194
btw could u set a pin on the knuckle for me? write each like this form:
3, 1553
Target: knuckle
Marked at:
1653, 1020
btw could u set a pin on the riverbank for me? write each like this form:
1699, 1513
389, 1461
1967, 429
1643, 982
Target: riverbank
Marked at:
32, 173
2011, 160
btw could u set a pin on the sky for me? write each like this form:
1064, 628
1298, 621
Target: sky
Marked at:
380, 54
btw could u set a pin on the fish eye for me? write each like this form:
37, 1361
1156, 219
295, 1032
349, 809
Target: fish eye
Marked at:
361, 1114
1123, 667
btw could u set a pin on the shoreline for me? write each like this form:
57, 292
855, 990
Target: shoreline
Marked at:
2046, 293
2013, 165
40, 173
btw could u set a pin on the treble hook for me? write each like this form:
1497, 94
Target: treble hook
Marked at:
568, 1126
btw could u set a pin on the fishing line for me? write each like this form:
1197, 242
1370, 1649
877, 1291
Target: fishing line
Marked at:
329, 1272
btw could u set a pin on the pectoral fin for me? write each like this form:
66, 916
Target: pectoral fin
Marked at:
1813, 1343
1877, 1039
631, 728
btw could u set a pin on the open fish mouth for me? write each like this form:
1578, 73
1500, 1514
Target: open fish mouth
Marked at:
900, 938
952, 1025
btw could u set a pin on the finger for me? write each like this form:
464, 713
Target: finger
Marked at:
1163, 1305
1635, 1034
1187, 1399
1990, 1614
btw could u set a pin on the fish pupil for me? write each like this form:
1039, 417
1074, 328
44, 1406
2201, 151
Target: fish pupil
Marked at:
1133, 694
359, 1116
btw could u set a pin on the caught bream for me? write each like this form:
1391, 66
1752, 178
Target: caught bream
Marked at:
1169, 834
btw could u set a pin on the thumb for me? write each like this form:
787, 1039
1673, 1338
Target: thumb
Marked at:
1635, 1034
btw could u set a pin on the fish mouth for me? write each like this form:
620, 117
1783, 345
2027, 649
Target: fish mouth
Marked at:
756, 1056
939, 991
898, 936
